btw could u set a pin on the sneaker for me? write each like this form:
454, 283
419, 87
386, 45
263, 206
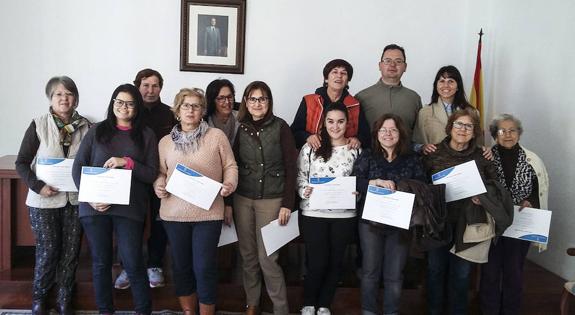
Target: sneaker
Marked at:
122, 282
156, 276
323, 311
308, 310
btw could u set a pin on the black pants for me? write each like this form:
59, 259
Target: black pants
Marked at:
58, 233
158, 240
325, 242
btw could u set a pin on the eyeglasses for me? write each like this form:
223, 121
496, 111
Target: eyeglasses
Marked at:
188, 106
503, 131
461, 125
223, 98
261, 100
392, 131
388, 61
118, 103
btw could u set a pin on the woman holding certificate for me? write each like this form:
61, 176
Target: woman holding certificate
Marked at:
120, 142
326, 232
53, 209
389, 161
194, 231
460, 146
524, 175
266, 155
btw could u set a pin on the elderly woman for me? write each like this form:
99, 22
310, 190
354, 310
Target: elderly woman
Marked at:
192, 231
53, 214
385, 251
266, 155
524, 175
220, 97
458, 147
120, 141
310, 114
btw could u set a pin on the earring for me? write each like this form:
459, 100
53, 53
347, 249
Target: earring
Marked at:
178, 118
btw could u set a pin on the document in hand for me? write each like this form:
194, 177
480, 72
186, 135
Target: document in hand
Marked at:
388, 207
530, 224
228, 235
275, 235
461, 181
105, 185
332, 192
193, 187
56, 172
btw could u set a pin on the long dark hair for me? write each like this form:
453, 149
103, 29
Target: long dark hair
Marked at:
212, 92
326, 148
107, 129
459, 99
402, 146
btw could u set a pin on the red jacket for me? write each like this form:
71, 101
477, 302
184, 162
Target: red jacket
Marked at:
314, 106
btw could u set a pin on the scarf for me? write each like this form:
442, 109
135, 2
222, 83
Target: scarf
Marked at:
66, 130
522, 183
188, 142
229, 127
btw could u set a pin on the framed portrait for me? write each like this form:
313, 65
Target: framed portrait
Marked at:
212, 35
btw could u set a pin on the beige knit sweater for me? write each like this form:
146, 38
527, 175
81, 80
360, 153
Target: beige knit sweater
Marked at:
214, 159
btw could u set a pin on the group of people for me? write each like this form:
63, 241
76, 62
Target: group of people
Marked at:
382, 136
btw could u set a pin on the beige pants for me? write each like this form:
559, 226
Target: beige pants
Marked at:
250, 216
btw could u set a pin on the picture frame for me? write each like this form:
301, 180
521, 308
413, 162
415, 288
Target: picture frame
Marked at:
212, 36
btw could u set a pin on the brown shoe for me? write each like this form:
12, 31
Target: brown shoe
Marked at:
252, 310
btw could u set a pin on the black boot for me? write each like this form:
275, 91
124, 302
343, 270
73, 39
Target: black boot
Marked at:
39, 307
65, 308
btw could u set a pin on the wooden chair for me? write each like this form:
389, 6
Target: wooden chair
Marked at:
568, 290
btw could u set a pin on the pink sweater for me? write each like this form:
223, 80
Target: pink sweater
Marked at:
213, 159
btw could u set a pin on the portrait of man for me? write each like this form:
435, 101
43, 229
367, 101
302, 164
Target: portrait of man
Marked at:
212, 37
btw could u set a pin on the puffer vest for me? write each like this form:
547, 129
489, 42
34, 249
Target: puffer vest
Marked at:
50, 146
260, 164
314, 111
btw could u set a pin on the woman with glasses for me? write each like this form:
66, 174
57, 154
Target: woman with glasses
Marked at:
444, 267
221, 111
523, 173
308, 120
120, 141
265, 152
194, 232
389, 161
53, 213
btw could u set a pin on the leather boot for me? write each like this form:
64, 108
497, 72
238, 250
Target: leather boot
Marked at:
207, 309
39, 307
189, 304
65, 308
252, 310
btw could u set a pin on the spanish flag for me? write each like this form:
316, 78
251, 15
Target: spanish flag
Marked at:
476, 97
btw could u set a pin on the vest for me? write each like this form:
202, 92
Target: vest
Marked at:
50, 146
260, 163
314, 106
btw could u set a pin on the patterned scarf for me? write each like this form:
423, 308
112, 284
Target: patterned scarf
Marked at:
66, 130
522, 183
188, 142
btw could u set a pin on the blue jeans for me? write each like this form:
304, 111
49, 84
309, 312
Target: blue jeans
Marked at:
194, 247
383, 251
100, 230
441, 266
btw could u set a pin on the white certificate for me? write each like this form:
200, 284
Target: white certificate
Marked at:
193, 187
332, 192
228, 235
530, 224
461, 181
56, 172
275, 235
388, 207
105, 185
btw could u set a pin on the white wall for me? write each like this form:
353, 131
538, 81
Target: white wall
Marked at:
528, 51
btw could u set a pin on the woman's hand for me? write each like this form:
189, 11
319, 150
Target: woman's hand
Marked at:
353, 143
101, 207
284, 215
314, 141
487, 153
428, 148
525, 204
115, 162
48, 191
227, 189
160, 188
307, 192
228, 215
476, 200
389, 184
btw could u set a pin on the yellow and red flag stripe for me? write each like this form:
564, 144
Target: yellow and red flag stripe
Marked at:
476, 98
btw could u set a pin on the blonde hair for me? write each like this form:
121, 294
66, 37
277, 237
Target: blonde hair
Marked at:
179, 99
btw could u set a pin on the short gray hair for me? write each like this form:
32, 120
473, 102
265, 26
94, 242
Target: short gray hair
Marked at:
494, 125
67, 83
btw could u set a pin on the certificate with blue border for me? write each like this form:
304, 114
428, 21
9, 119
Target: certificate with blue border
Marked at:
56, 172
388, 207
530, 224
332, 192
105, 185
461, 181
193, 187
